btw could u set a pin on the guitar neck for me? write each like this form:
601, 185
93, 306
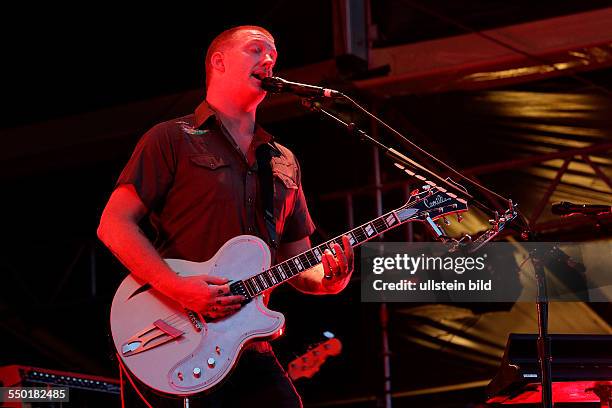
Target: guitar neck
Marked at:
294, 266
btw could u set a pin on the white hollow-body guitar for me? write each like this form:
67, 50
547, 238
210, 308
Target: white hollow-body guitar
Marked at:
175, 351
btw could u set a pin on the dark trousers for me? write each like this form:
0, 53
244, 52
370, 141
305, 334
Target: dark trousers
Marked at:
258, 380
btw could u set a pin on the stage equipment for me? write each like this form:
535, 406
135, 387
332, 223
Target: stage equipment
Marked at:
567, 208
580, 370
84, 390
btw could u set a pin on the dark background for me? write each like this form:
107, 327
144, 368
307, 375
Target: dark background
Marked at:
58, 280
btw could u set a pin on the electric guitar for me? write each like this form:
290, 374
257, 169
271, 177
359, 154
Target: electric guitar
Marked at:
175, 351
309, 363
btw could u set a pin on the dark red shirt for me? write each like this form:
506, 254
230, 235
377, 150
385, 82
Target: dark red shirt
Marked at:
201, 190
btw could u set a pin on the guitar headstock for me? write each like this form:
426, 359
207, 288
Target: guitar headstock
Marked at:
309, 363
433, 202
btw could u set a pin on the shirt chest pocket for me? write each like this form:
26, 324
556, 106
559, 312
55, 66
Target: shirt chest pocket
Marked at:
211, 174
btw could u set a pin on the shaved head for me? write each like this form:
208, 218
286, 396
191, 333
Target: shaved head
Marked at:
225, 39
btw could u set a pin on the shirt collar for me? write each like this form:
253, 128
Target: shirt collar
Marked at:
204, 112
265, 137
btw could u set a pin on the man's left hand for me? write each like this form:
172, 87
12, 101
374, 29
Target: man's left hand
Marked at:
337, 269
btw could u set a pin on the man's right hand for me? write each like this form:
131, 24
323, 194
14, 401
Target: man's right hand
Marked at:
208, 295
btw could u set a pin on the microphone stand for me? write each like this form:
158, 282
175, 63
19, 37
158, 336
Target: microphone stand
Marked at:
543, 342
416, 170
405, 141
411, 167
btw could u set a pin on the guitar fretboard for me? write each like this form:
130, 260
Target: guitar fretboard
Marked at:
308, 259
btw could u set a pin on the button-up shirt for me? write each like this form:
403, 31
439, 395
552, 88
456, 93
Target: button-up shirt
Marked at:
201, 190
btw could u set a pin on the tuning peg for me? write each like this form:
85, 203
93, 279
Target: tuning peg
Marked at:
446, 221
426, 187
459, 218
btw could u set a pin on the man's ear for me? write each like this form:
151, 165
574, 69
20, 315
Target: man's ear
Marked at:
216, 61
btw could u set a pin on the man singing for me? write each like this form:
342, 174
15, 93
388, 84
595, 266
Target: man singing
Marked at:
199, 179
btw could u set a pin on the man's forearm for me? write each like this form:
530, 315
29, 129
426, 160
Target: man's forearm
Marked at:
127, 242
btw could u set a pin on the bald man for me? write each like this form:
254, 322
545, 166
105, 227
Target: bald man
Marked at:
197, 180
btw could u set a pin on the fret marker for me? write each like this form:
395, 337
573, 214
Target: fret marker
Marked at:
257, 288
390, 219
352, 239
317, 254
298, 264
369, 230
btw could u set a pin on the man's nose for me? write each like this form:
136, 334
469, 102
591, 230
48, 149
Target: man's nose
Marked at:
268, 59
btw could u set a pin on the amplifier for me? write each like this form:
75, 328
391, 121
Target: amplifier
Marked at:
84, 390
581, 368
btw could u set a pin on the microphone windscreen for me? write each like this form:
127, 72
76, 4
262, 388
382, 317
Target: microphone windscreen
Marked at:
272, 84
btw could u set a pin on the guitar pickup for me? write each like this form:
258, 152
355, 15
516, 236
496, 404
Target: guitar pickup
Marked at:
155, 335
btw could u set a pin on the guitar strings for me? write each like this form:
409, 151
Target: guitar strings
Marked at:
181, 320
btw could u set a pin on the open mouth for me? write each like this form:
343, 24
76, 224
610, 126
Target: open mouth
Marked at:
259, 75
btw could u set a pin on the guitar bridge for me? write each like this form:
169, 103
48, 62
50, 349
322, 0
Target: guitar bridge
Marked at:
155, 335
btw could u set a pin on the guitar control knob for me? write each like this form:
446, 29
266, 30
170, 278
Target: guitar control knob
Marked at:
211, 362
197, 372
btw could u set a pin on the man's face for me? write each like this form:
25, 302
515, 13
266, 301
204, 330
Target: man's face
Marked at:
249, 58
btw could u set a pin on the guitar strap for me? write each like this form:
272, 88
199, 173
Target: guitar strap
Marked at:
263, 155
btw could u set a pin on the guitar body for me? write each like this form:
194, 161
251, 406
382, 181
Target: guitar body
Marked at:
174, 351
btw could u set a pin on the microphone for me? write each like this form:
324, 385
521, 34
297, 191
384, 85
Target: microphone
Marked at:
280, 85
567, 208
